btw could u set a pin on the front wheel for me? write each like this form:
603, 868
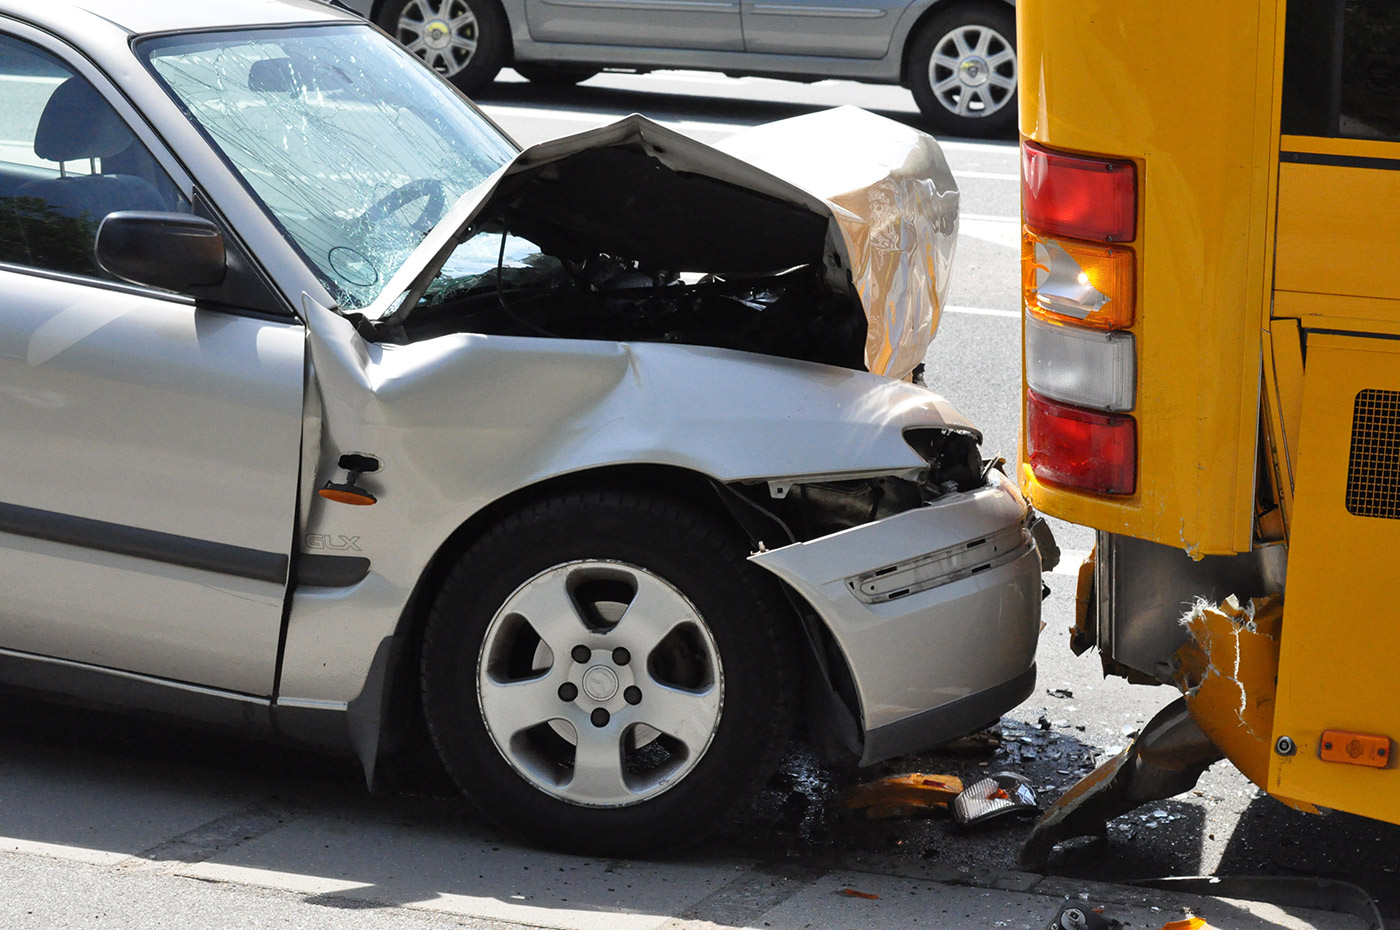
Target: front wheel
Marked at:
466, 41
607, 674
962, 70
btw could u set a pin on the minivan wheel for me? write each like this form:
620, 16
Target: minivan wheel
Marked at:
606, 674
962, 70
466, 41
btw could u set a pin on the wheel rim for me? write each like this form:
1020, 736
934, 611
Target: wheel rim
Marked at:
444, 33
600, 683
973, 71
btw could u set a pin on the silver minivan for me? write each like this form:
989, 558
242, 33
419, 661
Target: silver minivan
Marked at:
958, 57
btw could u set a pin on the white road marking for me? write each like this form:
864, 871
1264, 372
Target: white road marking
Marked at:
983, 311
987, 175
997, 230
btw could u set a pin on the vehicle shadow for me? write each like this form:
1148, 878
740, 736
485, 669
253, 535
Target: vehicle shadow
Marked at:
1273, 839
132, 795
89, 786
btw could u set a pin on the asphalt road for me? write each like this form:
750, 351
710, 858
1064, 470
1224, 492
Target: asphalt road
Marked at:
1074, 719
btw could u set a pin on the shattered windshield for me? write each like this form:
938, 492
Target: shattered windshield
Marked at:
354, 148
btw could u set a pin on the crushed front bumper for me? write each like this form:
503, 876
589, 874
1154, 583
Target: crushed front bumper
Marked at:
936, 610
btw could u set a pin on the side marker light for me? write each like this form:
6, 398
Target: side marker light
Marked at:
1354, 748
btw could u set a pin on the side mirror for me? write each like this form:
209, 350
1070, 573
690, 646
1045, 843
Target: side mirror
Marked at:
174, 251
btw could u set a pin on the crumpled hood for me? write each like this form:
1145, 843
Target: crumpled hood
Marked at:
891, 193
875, 210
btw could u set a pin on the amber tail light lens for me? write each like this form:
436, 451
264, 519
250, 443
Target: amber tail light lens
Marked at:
1082, 449
1076, 282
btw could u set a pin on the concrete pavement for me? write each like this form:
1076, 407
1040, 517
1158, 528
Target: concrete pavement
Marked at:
94, 840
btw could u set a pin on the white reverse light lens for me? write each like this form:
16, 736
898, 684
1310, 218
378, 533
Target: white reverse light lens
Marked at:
1083, 367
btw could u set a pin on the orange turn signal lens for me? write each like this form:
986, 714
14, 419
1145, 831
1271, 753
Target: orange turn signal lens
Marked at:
343, 495
1354, 748
1074, 282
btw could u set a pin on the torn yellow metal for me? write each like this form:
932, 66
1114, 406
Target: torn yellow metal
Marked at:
1228, 673
903, 795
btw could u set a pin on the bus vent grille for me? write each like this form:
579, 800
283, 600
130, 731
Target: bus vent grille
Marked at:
1373, 475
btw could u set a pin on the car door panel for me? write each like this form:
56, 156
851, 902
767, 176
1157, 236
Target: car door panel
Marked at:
691, 24
153, 456
836, 28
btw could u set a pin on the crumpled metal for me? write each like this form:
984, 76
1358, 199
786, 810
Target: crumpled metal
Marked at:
895, 200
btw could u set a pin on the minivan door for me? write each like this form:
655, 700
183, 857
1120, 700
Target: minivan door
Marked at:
679, 24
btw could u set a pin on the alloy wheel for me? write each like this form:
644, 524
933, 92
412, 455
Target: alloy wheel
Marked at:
600, 683
972, 71
444, 33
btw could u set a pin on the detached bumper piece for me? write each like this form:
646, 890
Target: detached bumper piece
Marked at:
936, 610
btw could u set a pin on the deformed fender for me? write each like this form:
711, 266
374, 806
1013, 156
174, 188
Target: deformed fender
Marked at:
464, 420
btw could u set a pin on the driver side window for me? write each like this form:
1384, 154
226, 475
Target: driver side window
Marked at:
67, 159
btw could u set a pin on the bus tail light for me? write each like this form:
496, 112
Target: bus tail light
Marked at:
1084, 367
1081, 449
1079, 197
1091, 285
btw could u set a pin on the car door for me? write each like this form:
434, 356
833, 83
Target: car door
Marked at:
681, 24
833, 28
151, 445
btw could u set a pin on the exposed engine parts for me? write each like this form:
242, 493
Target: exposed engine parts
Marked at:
790, 313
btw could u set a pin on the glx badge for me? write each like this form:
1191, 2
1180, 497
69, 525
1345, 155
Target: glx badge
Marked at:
336, 543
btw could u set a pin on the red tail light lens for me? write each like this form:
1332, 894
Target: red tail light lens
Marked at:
1079, 448
1079, 197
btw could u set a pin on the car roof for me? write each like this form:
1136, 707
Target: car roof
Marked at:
93, 18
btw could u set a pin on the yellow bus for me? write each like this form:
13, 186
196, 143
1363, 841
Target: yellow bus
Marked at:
1211, 273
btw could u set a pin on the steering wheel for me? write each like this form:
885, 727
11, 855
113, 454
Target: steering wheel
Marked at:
430, 189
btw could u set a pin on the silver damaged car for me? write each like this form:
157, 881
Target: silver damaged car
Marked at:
332, 417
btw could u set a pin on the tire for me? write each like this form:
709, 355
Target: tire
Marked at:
519, 656
962, 69
553, 75
466, 41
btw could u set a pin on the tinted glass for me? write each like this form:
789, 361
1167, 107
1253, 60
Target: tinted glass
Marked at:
66, 161
1342, 69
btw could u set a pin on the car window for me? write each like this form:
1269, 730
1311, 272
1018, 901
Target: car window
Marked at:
66, 161
1342, 69
353, 147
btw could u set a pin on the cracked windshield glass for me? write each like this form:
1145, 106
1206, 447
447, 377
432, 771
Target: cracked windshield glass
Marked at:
353, 147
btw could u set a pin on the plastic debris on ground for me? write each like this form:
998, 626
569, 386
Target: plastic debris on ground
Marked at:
1074, 917
903, 795
1002, 794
